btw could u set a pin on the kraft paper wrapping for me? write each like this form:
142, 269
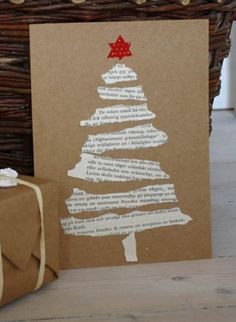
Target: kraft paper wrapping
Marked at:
21, 238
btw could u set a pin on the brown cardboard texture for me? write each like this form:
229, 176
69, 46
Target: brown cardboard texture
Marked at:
142, 192
20, 237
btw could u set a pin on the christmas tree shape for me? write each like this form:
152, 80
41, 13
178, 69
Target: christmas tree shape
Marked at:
95, 167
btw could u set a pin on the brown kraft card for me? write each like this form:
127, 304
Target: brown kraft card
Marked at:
120, 121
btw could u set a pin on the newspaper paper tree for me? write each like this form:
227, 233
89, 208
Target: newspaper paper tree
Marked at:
96, 168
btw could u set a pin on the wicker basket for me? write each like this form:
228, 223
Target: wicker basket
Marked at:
16, 15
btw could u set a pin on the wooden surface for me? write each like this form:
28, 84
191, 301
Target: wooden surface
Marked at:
181, 292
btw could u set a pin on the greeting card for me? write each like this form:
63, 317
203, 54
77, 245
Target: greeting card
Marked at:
120, 120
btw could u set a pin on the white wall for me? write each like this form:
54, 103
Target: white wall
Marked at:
227, 97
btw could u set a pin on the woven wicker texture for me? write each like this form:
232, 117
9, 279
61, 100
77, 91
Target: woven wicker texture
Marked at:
16, 15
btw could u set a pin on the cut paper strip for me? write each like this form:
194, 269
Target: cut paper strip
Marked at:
128, 224
95, 168
138, 137
81, 201
118, 114
130, 249
133, 222
122, 93
119, 73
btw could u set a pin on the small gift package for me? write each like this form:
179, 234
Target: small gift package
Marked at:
29, 239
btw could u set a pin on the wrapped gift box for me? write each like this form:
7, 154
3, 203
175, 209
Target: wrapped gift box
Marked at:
21, 238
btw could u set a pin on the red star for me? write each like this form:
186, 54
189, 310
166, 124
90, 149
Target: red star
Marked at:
119, 49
